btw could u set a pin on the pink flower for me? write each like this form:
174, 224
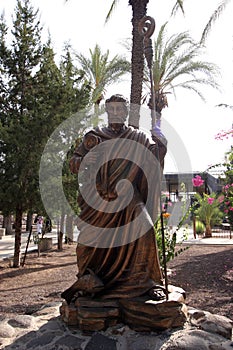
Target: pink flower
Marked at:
210, 200
197, 181
224, 134
221, 199
231, 208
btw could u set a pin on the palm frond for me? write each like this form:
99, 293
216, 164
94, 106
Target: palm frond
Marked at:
213, 19
177, 63
112, 8
225, 105
178, 5
101, 71
158, 53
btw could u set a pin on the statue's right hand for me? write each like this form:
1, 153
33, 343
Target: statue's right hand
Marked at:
75, 164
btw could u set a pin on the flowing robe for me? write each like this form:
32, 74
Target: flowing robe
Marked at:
119, 246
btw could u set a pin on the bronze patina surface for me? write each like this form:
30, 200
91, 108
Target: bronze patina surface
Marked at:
117, 255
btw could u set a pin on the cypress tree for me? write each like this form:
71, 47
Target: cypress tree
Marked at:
36, 96
20, 63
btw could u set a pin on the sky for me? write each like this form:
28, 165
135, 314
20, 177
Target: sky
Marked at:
189, 124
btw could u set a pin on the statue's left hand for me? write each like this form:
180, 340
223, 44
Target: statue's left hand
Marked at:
157, 129
157, 132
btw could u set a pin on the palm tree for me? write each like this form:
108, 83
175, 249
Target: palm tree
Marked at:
139, 10
100, 72
176, 64
208, 211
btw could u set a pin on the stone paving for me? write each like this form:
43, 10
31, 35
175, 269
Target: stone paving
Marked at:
45, 330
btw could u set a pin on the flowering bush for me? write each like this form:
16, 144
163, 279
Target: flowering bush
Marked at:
206, 207
208, 211
224, 134
227, 201
226, 198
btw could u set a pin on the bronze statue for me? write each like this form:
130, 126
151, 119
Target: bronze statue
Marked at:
119, 275
125, 262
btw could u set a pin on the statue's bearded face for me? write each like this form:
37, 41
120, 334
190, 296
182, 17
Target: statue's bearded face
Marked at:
117, 113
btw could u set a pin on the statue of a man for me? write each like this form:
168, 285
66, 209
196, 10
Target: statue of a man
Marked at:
117, 254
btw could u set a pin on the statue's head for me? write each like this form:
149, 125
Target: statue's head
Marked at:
117, 110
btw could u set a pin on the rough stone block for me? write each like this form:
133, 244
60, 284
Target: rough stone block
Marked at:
145, 315
69, 314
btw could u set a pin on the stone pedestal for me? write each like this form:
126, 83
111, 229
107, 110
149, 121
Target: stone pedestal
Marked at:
140, 314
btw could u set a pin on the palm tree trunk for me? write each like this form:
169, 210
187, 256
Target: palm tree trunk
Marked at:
208, 231
139, 9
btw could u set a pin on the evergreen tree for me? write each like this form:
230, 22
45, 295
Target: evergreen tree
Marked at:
19, 62
71, 95
35, 102
76, 87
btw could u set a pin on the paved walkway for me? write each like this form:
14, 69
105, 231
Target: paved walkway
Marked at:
7, 244
209, 241
204, 241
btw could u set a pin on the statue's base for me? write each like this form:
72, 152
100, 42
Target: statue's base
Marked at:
140, 314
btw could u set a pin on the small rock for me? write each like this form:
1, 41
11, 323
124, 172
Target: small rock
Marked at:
49, 309
120, 330
191, 340
228, 345
22, 321
212, 323
6, 331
